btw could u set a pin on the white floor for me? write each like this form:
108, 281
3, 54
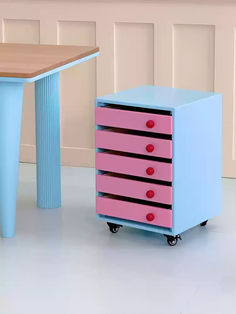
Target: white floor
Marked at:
67, 262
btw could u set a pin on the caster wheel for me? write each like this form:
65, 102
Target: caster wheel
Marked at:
204, 223
114, 228
171, 240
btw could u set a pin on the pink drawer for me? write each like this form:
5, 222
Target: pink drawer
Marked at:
133, 120
135, 189
133, 143
134, 166
136, 212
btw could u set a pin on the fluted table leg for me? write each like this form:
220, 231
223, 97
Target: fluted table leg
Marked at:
47, 100
11, 97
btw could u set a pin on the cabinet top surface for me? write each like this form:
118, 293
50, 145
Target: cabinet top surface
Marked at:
148, 96
28, 61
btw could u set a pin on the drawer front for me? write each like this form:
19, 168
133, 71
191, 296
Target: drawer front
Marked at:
133, 144
136, 212
133, 120
134, 189
134, 166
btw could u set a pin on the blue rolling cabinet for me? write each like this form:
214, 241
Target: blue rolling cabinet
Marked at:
158, 159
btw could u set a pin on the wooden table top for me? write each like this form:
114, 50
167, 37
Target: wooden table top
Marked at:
27, 61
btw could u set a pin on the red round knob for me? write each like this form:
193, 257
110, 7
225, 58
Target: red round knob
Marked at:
149, 148
150, 194
150, 124
150, 217
150, 171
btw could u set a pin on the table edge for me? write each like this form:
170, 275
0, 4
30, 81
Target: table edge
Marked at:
44, 74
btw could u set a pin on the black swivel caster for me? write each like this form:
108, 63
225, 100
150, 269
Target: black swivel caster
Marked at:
171, 240
204, 223
114, 228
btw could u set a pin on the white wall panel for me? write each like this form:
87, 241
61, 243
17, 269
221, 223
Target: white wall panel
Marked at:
194, 56
134, 54
21, 31
78, 91
176, 44
1, 31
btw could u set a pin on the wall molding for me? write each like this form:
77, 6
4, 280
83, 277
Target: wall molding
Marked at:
164, 17
70, 156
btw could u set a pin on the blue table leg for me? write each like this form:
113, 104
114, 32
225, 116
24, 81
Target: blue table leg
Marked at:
11, 98
47, 99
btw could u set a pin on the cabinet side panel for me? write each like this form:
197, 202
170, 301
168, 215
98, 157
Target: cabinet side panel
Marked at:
197, 162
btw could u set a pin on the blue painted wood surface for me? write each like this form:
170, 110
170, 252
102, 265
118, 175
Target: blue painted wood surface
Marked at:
197, 150
155, 97
47, 104
11, 98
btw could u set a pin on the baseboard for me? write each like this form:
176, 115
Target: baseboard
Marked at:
78, 157
70, 156
27, 153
